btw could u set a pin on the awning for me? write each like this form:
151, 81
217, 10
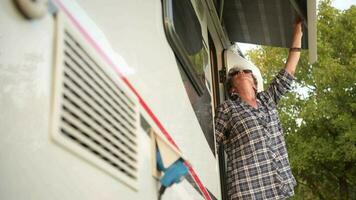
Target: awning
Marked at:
270, 22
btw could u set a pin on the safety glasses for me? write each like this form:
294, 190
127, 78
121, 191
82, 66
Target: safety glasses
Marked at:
246, 71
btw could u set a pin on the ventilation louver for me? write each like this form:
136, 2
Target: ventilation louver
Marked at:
94, 115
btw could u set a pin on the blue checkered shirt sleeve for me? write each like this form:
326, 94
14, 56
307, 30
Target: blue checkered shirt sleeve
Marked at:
281, 84
221, 123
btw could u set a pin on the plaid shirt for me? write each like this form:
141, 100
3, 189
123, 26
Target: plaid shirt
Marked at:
257, 159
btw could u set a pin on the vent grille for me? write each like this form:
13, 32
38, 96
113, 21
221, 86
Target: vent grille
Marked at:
96, 117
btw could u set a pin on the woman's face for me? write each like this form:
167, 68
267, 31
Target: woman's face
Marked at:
242, 81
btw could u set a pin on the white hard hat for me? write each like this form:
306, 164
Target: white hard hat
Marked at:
237, 62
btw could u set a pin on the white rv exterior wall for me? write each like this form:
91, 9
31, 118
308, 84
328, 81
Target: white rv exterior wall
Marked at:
136, 33
132, 35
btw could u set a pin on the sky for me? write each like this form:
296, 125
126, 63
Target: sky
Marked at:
343, 4
339, 4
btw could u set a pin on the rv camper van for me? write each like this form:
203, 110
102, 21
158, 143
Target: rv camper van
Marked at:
115, 99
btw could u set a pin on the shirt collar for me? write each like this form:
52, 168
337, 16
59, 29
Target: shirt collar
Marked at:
236, 97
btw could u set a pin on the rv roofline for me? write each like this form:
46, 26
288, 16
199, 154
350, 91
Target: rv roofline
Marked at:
310, 23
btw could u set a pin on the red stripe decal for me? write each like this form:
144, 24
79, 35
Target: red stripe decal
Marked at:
142, 102
197, 180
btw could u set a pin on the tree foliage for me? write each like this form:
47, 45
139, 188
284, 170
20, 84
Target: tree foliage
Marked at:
319, 118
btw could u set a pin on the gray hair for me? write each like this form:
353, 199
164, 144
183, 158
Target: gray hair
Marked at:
229, 80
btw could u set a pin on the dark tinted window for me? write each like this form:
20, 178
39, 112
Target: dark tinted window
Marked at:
185, 37
202, 108
187, 26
